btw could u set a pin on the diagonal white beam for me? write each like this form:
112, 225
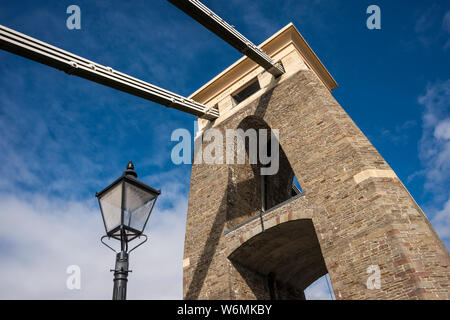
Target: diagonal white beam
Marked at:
28, 47
206, 17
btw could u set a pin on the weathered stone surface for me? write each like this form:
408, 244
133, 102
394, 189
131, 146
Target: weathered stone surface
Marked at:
354, 213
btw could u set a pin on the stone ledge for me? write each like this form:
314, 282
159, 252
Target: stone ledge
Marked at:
186, 263
374, 173
292, 210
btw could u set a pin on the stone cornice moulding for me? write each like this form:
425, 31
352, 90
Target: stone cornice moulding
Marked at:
272, 46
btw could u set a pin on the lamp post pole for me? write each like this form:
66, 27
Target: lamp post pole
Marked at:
121, 276
121, 269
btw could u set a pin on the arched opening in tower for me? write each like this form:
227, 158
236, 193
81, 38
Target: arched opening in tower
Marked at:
281, 262
250, 191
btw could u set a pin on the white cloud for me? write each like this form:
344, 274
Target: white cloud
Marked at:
434, 148
255, 19
434, 144
441, 221
442, 130
40, 238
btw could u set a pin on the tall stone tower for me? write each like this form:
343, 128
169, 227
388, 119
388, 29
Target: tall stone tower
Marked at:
250, 236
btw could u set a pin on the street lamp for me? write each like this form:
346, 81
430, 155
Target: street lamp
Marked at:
125, 205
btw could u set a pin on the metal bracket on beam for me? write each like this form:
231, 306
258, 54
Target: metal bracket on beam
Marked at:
28, 47
202, 14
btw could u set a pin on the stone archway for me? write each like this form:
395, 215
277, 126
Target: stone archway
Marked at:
249, 191
282, 245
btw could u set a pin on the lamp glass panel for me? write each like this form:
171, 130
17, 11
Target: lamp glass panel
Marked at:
111, 203
138, 205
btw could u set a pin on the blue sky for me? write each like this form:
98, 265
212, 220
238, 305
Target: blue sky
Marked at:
63, 138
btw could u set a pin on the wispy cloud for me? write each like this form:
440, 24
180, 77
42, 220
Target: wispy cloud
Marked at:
441, 220
427, 19
446, 22
400, 133
434, 148
428, 29
255, 20
435, 143
446, 27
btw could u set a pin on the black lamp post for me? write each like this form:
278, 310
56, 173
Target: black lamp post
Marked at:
125, 205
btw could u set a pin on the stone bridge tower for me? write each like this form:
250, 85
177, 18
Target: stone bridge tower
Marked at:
256, 237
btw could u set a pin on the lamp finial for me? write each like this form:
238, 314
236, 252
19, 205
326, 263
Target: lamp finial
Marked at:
130, 165
130, 169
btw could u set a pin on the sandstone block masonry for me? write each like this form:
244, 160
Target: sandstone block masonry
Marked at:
354, 211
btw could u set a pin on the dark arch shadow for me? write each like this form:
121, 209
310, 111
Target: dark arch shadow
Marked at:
249, 191
290, 251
